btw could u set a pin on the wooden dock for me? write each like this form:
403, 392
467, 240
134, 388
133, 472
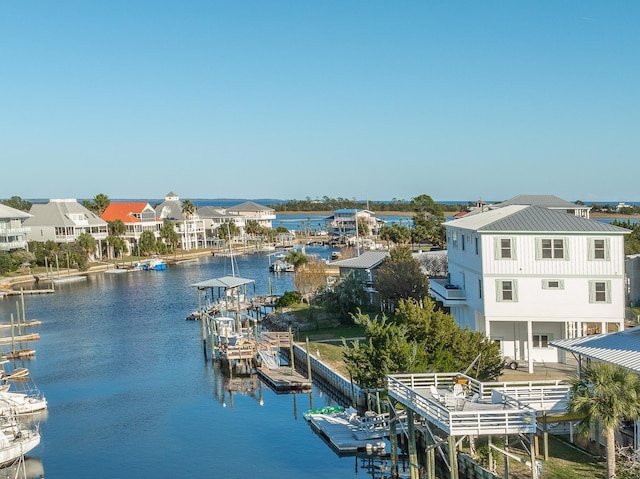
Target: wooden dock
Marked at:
31, 322
12, 292
18, 339
284, 380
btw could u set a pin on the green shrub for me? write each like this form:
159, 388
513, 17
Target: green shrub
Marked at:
287, 299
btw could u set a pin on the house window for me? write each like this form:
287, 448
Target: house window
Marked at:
552, 284
506, 290
551, 248
477, 246
598, 249
599, 291
455, 239
480, 288
541, 341
505, 248
462, 241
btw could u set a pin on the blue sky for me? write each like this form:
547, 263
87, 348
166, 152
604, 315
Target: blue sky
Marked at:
369, 99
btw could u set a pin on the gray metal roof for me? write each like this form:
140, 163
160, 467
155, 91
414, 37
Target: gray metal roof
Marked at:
546, 201
367, 260
225, 282
7, 212
250, 206
211, 212
170, 209
621, 348
57, 212
530, 219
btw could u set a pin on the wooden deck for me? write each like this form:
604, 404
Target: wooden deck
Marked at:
485, 409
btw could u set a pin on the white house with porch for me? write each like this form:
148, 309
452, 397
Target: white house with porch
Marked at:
527, 275
189, 226
13, 235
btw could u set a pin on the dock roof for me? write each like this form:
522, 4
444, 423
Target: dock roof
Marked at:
225, 282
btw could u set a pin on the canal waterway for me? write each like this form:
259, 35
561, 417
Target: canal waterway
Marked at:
131, 396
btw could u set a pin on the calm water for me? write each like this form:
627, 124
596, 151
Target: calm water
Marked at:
130, 395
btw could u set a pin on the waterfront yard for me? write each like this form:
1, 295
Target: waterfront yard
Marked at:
565, 461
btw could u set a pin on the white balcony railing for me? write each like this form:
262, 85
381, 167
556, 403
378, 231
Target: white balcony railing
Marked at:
446, 292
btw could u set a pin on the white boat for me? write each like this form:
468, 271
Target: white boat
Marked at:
281, 266
225, 331
16, 441
20, 403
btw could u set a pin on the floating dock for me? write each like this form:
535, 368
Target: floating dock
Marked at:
284, 380
338, 431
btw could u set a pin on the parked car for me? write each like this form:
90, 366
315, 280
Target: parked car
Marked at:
510, 363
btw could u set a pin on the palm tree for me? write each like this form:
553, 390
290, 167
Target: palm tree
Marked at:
607, 394
188, 208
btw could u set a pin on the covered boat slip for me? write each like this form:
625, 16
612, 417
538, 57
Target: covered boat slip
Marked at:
484, 408
224, 312
228, 294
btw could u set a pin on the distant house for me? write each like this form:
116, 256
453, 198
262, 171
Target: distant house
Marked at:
216, 216
190, 228
251, 211
13, 233
545, 201
345, 221
527, 275
363, 268
213, 218
62, 221
137, 218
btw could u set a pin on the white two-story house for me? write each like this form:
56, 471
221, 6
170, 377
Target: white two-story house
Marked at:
527, 275
189, 226
13, 234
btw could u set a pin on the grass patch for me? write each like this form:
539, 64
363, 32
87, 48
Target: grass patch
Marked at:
565, 462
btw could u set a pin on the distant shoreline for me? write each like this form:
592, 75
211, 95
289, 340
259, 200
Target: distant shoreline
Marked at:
609, 216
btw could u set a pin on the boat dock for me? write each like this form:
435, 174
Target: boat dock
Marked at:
339, 432
12, 292
18, 339
284, 380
